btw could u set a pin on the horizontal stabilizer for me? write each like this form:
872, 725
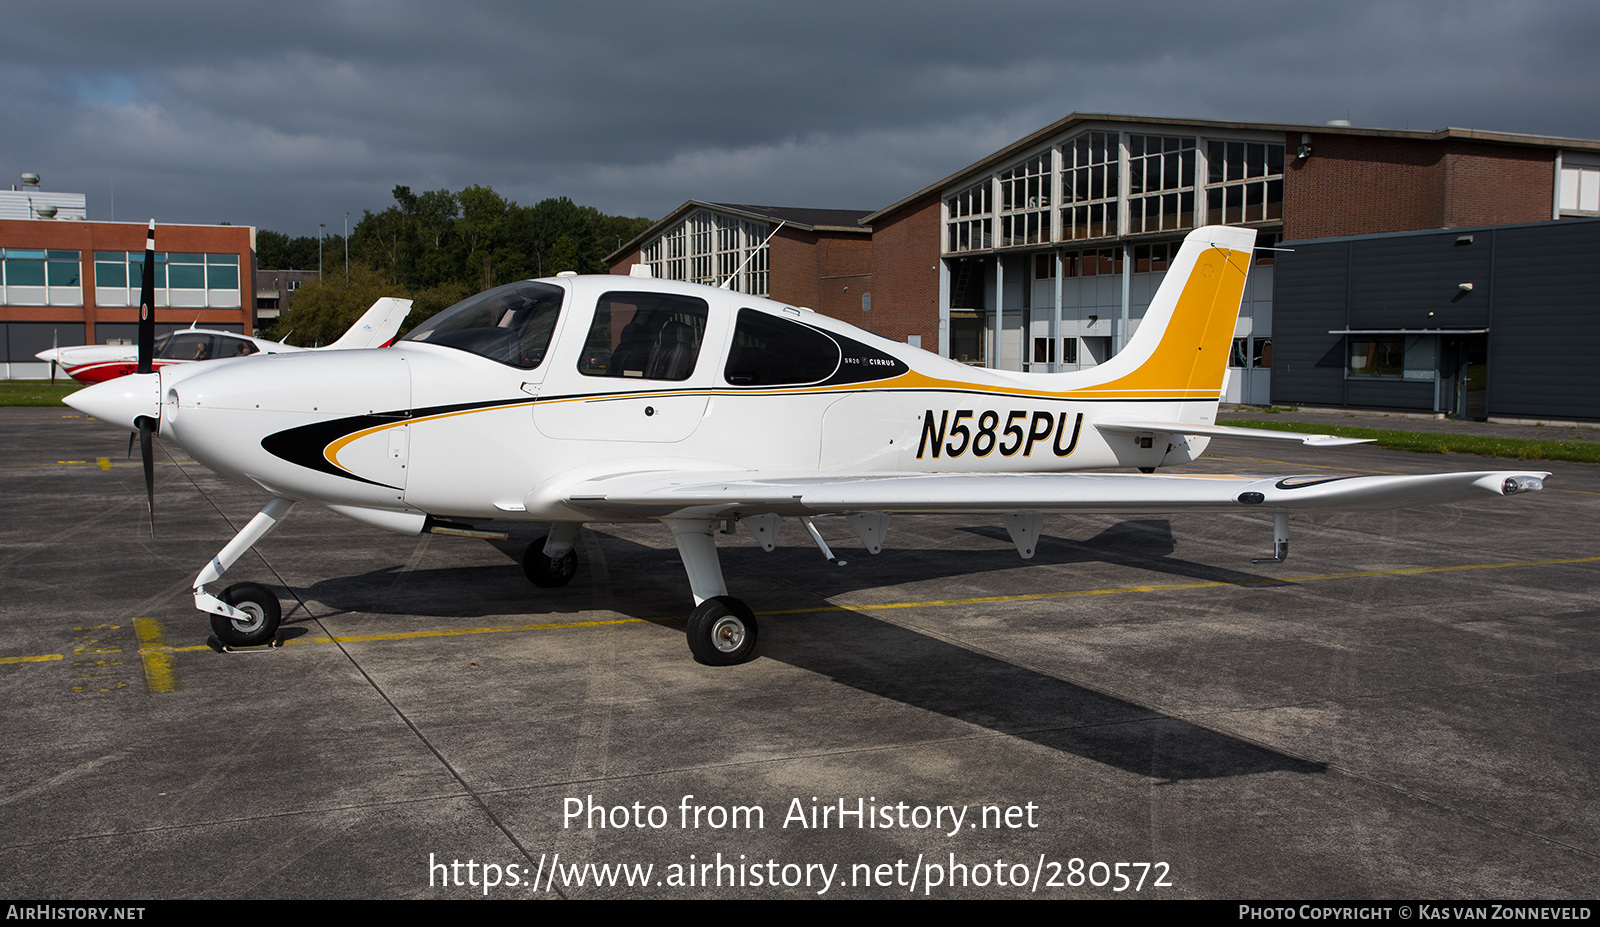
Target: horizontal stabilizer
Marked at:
1135, 427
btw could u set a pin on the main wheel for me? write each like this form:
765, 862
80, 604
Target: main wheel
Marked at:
545, 571
722, 631
262, 611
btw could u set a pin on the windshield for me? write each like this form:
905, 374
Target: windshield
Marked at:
511, 324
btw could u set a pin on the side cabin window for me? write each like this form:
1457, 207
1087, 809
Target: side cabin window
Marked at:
187, 346
235, 347
653, 336
511, 324
769, 351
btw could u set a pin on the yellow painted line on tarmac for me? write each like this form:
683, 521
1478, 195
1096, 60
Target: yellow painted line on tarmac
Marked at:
160, 672
454, 632
151, 636
104, 462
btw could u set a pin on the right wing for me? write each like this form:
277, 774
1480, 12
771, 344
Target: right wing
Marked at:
696, 494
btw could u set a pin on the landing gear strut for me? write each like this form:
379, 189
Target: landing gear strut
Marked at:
722, 629
248, 613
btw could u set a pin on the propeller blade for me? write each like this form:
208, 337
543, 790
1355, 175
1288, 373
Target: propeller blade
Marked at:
147, 451
55, 344
147, 307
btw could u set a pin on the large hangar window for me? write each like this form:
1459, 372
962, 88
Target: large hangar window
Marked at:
1244, 182
971, 222
1160, 183
1089, 186
1025, 203
709, 247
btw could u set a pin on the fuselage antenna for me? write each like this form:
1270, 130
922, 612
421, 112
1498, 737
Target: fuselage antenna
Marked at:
727, 284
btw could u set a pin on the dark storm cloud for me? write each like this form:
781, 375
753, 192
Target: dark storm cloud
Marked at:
200, 112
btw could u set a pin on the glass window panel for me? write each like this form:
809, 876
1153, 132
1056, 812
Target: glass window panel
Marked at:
186, 276
21, 272
223, 277
63, 273
645, 335
769, 351
107, 273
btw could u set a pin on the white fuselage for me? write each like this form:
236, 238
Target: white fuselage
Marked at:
421, 428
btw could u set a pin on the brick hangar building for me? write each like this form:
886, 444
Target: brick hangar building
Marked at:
1043, 256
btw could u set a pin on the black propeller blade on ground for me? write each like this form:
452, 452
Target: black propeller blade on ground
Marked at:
147, 451
147, 350
147, 304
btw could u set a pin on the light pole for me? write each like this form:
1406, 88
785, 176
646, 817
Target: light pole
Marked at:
320, 227
347, 244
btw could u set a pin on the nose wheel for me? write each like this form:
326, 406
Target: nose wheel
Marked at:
260, 612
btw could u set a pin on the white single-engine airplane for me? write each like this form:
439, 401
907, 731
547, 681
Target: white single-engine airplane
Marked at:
609, 398
96, 363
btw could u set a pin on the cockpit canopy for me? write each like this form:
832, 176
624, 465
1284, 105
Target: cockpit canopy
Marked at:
511, 324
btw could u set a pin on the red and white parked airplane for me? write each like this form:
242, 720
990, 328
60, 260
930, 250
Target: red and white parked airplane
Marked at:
96, 363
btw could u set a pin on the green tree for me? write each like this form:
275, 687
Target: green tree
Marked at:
323, 310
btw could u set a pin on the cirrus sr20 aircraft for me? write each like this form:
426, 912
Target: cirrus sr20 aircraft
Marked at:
607, 398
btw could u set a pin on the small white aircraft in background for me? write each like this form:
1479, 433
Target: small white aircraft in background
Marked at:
607, 398
96, 363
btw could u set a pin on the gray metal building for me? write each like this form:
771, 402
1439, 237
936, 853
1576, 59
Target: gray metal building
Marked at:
1498, 321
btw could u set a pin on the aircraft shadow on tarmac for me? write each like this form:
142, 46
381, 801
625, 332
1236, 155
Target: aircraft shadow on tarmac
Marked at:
857, 649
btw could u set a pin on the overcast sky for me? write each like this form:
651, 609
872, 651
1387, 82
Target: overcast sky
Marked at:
203, 112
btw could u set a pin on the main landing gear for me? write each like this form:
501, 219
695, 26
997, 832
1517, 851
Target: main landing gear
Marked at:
722, 629
551, 561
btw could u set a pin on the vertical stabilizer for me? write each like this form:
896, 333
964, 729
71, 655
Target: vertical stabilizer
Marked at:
1180, 351
377, 327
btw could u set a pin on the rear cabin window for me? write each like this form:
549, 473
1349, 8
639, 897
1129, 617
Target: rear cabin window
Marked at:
769, 351
652, 336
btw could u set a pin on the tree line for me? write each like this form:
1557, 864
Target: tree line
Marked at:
436, 248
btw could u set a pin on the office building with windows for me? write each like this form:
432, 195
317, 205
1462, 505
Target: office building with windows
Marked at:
71, 281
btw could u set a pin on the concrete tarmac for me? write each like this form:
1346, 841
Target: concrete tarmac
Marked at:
1405, 709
